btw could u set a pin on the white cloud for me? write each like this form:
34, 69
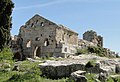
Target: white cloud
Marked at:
58, 2
41, 5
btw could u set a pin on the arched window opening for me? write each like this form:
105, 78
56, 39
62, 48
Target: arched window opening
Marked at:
37, 39
46, 42
28, 44
42, 24
36, 21
32, 25
65, 49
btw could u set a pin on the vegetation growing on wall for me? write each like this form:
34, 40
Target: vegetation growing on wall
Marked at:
82, 51
98, 50
92, 49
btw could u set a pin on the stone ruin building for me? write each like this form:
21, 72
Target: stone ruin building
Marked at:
92, 36
40, 37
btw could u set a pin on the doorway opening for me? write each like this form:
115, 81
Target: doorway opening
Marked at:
17, 56
37, 52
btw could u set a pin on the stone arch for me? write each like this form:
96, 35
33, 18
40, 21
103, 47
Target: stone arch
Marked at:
42, 24
28, 44
46, 42
17, 56
37, 51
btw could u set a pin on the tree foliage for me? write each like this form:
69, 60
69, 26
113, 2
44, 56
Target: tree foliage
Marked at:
6, 7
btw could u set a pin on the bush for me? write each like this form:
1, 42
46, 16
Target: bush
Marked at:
98, 50
6, 61
91, 63
6, 54
28, 72
92, 49
91, 77
82, 51
27, 77
117, 79
111, 80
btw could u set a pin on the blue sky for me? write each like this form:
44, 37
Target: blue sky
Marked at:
103, 16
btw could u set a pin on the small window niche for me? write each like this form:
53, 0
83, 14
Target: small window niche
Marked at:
32, 25
65, 49
28, 45
52, 41
41, 35
37, 39
36, 21
42, 24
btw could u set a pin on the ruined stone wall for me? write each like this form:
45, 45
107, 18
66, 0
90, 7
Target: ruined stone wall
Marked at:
110, 53
93, 37
38, 33
67, 39
42, 37
66, 35
100, 41
16, 47
84, 44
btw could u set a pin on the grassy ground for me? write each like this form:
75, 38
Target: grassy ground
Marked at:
28, 72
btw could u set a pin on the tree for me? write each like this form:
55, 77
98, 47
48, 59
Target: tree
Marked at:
6, 7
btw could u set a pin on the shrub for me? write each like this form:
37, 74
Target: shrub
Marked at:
27, 77
91, 63
117, 79
91, 77
6, 54
110, 80
98, 50
82, 51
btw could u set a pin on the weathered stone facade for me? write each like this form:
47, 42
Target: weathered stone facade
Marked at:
42, 38
16, 47
93, 37
84, 43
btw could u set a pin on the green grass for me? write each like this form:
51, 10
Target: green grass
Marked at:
91, 63
28, 72
82, 51
6, 54
90, 77
116, 79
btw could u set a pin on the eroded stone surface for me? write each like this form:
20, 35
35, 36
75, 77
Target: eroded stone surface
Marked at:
59, 69
78, 76
117, 68
65, 67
